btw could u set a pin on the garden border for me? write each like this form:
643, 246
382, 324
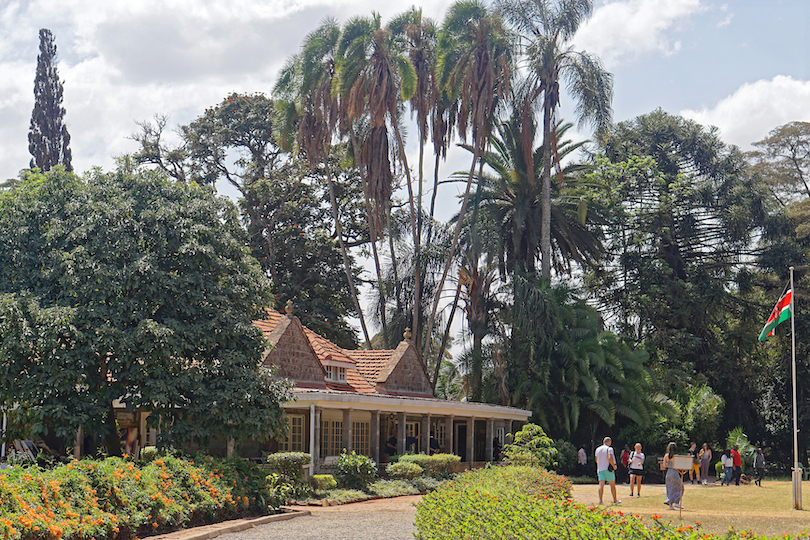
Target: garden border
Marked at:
236, 525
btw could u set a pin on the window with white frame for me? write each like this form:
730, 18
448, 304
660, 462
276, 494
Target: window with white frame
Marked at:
331, 437
295, 434
336, 373
360, 438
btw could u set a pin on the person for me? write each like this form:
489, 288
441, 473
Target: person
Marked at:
391, 446
728, 467
735, 456
433, 446
582, 459
673, 479
496, 449
410, 443
759, 466
625, 460
636, 469
605, 467
693, 453
705, 456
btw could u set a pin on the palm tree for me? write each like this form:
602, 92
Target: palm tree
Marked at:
309, 108
419, 36
374, 75
511, 201
474, 66
546, 28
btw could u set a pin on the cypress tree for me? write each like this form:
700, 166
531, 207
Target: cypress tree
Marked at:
48, 137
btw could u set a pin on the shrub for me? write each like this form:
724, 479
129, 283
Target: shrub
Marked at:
392, 488
521, 502
288, 464
438, 465
323, 481
149, 453
343, 495
404, 470
355, 471
425, 483
567, 461
531, 447
117, 497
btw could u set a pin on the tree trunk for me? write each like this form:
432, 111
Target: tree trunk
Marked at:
343, 252
414, 231
445, 338
545, 192
111, 440
372, 232
453, 245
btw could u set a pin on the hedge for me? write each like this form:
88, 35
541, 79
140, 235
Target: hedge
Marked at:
502, 503
437, 465
117, 498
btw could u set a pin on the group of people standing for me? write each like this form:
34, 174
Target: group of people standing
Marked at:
732, 465
633, 463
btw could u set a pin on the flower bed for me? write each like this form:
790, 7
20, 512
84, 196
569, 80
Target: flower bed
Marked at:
116, 498
524, 502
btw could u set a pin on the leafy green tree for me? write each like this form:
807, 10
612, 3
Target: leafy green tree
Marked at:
233, 141
512, 201
783, 159
565, 367
290, 233
48, 137
686, 214
125, 286
531, 446
546, 28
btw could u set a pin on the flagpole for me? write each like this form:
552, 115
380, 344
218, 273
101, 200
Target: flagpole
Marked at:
797, 471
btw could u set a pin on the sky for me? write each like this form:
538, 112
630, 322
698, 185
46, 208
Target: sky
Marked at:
739, 65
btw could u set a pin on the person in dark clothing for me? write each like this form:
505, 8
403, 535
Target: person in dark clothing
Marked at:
433, 446
737, 460
759, 466
496, 449
391, 446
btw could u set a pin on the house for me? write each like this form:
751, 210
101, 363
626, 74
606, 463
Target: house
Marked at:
360, 399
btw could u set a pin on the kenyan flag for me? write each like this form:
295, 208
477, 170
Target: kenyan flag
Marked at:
780, 313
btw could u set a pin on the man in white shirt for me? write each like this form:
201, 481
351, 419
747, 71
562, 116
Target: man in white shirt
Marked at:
605, 467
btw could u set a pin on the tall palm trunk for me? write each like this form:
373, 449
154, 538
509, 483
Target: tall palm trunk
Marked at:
416, 291
343, 252
372, 232
445, 338
453, 245
545, 192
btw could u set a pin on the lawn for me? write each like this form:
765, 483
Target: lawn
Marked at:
767, 510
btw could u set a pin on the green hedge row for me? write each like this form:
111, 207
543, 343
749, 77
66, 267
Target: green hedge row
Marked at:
118, 498
522, 502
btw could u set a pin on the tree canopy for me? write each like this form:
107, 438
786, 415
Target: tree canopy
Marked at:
125, 286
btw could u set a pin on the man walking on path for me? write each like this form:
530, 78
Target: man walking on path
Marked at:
735, 456
605, 467
759, 466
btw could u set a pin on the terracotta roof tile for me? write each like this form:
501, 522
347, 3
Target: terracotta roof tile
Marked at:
326, 350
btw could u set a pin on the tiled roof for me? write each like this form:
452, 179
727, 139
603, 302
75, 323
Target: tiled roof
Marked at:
326, 350
371, 363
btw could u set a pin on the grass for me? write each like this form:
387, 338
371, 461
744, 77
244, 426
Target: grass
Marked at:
767, 510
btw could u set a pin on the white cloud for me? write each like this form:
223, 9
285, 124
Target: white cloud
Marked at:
756, 108
126, 61
627, 29
726, 21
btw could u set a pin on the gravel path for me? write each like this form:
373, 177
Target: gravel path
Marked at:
388, 519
